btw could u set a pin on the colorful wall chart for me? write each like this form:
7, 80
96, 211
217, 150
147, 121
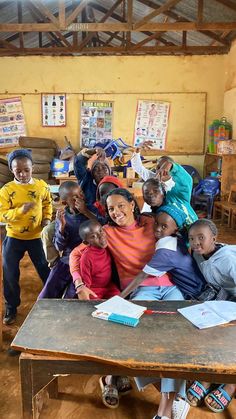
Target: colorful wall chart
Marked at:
96, 122
53, 110
151, 123
12, 121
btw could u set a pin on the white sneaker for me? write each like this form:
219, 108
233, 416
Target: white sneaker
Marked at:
180, 409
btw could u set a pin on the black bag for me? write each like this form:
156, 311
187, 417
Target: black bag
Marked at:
213, 293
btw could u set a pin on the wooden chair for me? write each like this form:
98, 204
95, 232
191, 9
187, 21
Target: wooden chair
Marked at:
233, 219
228, 207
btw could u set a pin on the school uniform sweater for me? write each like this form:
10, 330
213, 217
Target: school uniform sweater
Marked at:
65, 242
220, 268
172, 256
96, 272
13, 196
178, 191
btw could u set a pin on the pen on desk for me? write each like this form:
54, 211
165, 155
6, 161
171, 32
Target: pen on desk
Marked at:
159, 312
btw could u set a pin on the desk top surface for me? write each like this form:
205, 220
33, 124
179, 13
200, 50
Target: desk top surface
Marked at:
65, 328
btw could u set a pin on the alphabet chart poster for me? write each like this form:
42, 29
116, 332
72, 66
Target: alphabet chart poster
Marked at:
53, 110
151, 123
96, 122
12, 122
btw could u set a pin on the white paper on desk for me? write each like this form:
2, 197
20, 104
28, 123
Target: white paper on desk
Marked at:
210, 313
118, 305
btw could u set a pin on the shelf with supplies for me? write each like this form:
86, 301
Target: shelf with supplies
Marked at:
225, 166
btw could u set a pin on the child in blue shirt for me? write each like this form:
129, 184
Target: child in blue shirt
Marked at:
66, 238
171, 256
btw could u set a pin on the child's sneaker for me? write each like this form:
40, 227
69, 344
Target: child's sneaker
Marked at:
9, 317
180, 409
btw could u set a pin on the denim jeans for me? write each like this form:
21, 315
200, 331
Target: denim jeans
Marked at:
13, 252
160, 293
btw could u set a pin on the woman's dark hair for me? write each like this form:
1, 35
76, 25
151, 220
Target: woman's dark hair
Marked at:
128, 197
156, 183
203, 222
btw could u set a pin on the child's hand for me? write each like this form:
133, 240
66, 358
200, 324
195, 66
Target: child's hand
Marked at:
80, 205
101, 155
27, 207
145, 145
60, 215
45, 222
162, 172
84, 294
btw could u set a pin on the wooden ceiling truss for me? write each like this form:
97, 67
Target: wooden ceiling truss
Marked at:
75, 30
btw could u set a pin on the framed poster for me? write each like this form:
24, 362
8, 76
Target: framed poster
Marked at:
96, 122
151, 123
12, 122
53, 110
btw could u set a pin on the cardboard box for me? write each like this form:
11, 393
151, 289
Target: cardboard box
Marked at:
226, 147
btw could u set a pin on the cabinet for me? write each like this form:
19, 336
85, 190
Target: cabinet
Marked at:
225, 165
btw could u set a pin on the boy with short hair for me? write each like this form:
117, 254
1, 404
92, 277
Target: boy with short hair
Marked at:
95, 265
66, 237
25, 207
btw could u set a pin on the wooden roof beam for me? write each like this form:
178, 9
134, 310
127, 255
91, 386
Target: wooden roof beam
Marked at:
38, 15
45, 12
175, 16
157, 12
103, 19
169, 49
227, 3
119, 27
76, 12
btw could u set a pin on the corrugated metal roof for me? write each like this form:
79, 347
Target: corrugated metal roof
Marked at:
187, 9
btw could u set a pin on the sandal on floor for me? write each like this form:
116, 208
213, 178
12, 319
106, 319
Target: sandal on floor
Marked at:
123, 385
198, 391
221, 397
109, 391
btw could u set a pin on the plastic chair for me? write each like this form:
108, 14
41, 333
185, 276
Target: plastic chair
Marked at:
193, 173
113, 148
204, 193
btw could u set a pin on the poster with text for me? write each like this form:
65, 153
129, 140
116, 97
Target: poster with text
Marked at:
151, 123
12, 122
54, 110
95, 123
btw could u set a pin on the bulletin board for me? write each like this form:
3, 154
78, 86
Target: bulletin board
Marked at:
186, 124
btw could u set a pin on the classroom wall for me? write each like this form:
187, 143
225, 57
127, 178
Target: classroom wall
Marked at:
112, 76
230, 87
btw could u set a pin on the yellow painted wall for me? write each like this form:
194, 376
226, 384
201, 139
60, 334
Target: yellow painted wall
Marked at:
114, 77
230, 88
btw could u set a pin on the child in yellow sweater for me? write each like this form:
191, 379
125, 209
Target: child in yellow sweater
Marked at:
25, 207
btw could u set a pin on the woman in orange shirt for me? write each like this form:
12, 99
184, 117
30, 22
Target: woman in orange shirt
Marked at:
131, 242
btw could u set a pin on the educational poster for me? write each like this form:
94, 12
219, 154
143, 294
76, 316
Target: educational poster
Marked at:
96, 122
152, 123
12, 122
53, 110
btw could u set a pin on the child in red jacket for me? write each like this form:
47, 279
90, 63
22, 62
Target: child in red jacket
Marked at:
95, 265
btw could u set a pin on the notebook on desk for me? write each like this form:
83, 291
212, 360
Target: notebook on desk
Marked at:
118, 310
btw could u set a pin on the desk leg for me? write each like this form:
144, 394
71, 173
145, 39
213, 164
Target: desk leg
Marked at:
52, 389
26, 388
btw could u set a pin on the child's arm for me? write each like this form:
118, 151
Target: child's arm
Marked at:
139, 168
81, 161
46, 205
82, 291
8, 214
60, 239
183, 183
134, 284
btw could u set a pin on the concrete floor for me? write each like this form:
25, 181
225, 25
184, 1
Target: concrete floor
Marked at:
80, 395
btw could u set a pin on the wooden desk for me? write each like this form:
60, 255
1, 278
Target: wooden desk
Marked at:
61, 337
